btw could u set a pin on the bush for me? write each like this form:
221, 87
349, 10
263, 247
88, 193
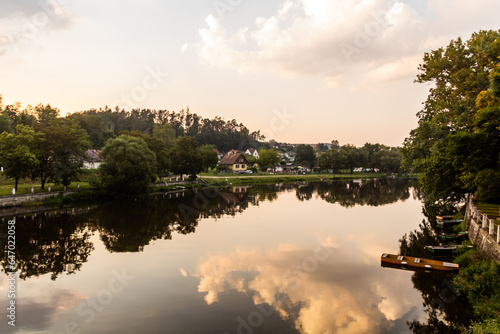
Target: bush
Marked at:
479, 279
488, 186
129, 166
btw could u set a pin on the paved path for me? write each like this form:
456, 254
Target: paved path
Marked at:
251, 175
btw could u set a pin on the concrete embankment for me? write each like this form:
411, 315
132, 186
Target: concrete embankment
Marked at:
16, 200
483, 231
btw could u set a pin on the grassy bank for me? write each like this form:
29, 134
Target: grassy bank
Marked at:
25, 188
281, 178
479, 280
88, 194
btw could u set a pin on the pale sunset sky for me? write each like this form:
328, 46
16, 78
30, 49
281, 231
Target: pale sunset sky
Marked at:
302, 71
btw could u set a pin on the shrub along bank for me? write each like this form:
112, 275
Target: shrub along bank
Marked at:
479, 280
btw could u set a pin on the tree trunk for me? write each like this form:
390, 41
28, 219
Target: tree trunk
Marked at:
17, 181
42, 181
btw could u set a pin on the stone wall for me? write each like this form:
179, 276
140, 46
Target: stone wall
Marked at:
16, 200
483, 232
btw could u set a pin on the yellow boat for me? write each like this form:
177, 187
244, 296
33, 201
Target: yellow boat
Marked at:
409, 261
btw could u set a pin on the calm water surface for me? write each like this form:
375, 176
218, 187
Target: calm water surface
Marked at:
302, 258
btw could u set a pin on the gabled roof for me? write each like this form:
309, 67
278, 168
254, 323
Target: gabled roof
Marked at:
252, 150
93, 156
232, 157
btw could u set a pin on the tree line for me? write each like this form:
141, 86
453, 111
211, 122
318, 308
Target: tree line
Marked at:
103, 124
456, 145
379, 156
37, 143
142, 145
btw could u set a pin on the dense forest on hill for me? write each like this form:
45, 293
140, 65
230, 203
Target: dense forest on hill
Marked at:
105, 123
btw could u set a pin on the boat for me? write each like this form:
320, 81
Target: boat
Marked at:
409, 261
453, 237
441, 250
444, 217
449, 222
444, 249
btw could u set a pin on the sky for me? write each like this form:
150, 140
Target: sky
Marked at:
301, 71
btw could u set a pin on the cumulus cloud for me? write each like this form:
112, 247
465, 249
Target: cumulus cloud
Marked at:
310, 37
335, 39
23, 21
334, 295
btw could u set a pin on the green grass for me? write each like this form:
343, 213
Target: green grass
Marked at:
279, 178
25, 188
479, 280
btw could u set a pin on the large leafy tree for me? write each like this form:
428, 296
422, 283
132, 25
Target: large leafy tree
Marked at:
45, 114
129, 166
458, 133
268, 158
354, 156
186, 158
386, 159
332, 159
159, 148
209, 156
18, 152
63, 151
305, 153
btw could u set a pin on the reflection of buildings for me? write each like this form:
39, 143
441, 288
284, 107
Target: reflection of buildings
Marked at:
236, 195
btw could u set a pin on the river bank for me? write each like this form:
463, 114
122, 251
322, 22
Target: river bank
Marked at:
86, 195
479, 275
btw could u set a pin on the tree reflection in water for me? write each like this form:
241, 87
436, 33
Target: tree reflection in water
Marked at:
444, 307
51, 242
58, 242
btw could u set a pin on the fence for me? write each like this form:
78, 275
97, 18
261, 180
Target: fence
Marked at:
15, 200
490, 225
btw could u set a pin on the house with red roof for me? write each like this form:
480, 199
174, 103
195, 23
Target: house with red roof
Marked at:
234, 160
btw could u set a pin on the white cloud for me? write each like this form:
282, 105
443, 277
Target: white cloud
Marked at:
330, 300
23, 22
184, 48
337, 39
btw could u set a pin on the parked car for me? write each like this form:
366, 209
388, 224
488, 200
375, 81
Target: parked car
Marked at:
248, 171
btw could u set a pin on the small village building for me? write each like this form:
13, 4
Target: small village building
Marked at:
235, 161
93, 159
253, 152
219, 155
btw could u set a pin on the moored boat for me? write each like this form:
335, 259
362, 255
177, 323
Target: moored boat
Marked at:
417, 262
441, 250
449, 222
453, 237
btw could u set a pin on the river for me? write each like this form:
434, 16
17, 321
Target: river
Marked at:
286, 258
